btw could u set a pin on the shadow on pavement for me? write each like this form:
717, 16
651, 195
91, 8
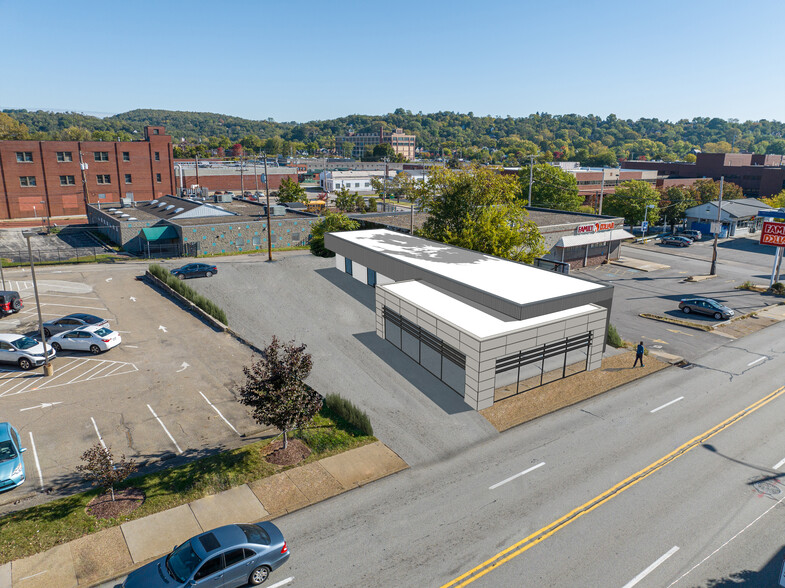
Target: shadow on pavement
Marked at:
362, 293
766, 577
439, 393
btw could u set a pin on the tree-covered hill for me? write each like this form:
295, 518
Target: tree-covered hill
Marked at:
589, 139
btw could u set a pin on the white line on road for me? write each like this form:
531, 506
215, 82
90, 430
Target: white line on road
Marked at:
133, 346
760, 359
779, 464
667, 404
33, 576
165, 429
72, 306
37, 464
282, 583
101, 439
651, 568
518, 475
219, 413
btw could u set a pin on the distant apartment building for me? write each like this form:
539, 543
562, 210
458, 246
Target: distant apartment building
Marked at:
44, 178
757, 175
401, 143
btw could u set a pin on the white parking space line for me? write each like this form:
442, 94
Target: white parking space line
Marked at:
282, 583
109, 364
69, 296
61, 372
72, 306
101, 439
518, 475
168, 434
79, 370
667, 404
760, 359
651, 568
219, 414
23, 380
86, 372
779, 464
37, 464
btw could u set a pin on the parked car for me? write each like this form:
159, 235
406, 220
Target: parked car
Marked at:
92, 339
692, 234
195, 270
676, 240
25, 352
10, 302
73, 321
706, 306
230, 556
12, 466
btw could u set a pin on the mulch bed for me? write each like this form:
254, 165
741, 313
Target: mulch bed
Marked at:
126, 501
295, 452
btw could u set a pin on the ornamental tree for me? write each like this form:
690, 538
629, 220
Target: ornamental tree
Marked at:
102, 470
275, 388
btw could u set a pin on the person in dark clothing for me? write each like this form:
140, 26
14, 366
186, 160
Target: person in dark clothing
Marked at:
639, 354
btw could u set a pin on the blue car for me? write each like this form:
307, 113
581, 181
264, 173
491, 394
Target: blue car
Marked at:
230, 556
12, 466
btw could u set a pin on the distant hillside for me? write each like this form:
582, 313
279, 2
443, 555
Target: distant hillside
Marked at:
589, 139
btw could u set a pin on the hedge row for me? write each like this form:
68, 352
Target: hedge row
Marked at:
188, 293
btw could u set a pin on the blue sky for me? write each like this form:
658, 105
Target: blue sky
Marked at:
315, 60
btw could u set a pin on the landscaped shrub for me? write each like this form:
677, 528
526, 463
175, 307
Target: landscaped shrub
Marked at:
187, 292
614, 340
777, 288
746, 285
346, 410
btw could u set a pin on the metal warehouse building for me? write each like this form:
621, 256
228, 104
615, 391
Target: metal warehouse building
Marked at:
489, 328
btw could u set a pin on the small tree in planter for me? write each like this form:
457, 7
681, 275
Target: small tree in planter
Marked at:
101, 469
275, 388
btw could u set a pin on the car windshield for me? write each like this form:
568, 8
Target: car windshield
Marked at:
7, 450
90, 320
255, 534
103, 332
24, 343
182, 562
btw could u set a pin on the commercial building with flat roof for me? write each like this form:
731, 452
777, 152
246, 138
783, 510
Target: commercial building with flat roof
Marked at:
401, 143
487, 327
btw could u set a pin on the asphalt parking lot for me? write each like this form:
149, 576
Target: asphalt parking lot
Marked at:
164, 395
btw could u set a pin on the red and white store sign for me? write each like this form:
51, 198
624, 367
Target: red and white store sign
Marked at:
594, 227
773, 234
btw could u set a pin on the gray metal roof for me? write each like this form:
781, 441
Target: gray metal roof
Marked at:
740, 208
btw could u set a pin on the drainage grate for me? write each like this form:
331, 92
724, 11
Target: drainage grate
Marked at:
686, 365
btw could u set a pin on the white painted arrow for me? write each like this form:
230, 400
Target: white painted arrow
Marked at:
108, 279
42, 405
133, 299
185, 365
162, 328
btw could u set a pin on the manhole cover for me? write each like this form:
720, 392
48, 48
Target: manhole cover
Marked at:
767, 488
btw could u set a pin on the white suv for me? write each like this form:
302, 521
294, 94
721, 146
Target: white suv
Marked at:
25, 352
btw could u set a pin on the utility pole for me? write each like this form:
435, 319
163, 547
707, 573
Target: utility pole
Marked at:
269, 225
713, 271
242, 176
196, 167
83, 167
531, 178
384, 192
602, 191
256, 177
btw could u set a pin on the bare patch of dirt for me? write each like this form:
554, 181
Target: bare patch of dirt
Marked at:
295, 452
126, 501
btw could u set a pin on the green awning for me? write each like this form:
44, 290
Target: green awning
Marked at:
158, 233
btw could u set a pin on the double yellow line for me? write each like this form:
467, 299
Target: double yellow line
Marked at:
542, 534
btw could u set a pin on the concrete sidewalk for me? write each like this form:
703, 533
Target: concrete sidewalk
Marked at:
114, 552
638, 264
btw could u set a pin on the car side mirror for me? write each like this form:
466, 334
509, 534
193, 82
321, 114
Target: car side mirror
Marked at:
23, 449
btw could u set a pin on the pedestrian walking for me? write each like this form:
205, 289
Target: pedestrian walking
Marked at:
639, 354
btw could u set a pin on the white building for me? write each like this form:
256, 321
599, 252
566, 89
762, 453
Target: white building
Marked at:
356, 181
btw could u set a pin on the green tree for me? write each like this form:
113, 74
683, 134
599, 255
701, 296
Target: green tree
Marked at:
291, 191
75, 134
776, 147
345, 200
12, 130
551, 187
273, 146
479, 209
251, 143
347, 148
775, 200
630, 201
275, 388
707, 190
674, 202
330, 223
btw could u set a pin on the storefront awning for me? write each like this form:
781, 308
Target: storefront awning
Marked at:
591, 238
159, 233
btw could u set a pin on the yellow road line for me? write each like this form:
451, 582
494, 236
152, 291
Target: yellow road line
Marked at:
538, 536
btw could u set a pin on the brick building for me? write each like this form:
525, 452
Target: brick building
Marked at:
230, 176
401, 143
757, 175
44, 178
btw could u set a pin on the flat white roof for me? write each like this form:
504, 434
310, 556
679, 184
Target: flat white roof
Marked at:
516, 282
467, 318
589, 238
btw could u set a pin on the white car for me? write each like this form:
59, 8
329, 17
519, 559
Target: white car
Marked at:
25, 352
94, 339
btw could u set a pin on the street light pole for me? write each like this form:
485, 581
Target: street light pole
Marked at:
713, 270
48, 368
269, 226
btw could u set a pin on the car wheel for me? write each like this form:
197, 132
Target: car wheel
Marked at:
686, 310
94, 349
47, 333
208, 274
16, 305
57, 347
259, 575
181, 276
717, 315
25, 363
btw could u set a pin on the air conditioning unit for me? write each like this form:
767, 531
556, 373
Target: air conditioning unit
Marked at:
223, 197
277, 210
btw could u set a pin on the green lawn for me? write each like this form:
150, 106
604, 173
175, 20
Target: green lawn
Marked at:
39, 528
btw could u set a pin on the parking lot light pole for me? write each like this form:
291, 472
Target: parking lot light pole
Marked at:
48, 367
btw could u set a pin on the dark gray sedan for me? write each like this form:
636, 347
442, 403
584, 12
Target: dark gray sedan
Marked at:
73, 321
706, 306
230, 556
676, 240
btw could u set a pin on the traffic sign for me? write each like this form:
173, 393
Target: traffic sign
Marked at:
644, 225
773, 234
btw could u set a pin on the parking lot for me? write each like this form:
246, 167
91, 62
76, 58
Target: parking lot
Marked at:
164, 395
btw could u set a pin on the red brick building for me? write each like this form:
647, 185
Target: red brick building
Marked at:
44, 178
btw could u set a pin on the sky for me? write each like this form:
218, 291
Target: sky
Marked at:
301, 61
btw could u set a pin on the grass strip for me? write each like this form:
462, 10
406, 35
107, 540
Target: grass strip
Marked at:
36, 529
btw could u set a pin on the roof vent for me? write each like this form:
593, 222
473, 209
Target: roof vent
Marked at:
153, 201
133, 218
170, 207
179, 210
